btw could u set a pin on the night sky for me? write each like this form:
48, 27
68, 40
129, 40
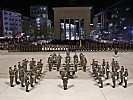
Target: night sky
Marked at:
22, 6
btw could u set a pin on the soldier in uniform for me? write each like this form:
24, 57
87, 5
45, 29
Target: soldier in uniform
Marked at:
101, 75
38, 71
125, 75
21, 75
54, 57
31, 65
27, 81
75, 61
68, 58
114, 77
84, 63
75, 56
103, 64
121, 74
11, 73
50, 62
19, 65
33, 62
58, 63
93, 65
35, 71
117, 67
113, 64
96, 69
16, 74
40, 67
116, 51
31, 77
25, 64
59, 56
80, 56
107, 70
65, 80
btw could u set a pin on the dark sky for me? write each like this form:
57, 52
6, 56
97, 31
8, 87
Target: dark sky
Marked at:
22, 6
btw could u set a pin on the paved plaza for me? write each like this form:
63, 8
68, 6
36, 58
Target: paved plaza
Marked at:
50, 87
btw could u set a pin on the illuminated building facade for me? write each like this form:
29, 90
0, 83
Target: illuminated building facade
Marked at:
72, 23
40, 14
116, 21
11, 23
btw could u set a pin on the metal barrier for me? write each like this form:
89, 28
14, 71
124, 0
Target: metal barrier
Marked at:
72, 48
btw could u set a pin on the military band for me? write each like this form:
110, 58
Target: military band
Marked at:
99, 72
27, 73
11, 73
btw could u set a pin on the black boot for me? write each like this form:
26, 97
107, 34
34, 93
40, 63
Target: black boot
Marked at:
22, 85
120, 83
12, 85
27, 90
113, 86
65, 88
17, 82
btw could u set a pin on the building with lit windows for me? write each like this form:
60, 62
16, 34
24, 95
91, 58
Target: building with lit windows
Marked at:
72, 23
116, 22
28, 26
40, 14
11, 23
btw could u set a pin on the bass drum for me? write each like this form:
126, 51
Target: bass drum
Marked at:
71, 72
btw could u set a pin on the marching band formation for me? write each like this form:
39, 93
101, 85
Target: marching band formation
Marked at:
29, 72
67, 69
26, 73
103, 71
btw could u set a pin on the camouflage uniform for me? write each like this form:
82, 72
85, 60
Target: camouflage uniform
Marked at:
75, 61
11, 73
65, 80
21, 74
84, 63
27, 81
125, 75
114, 77
101, 75
31, 77
107, 70
121, 74
16, 74
50, 63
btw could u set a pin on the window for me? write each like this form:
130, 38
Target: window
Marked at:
6, 28
6, 23
5, 18
5, 13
